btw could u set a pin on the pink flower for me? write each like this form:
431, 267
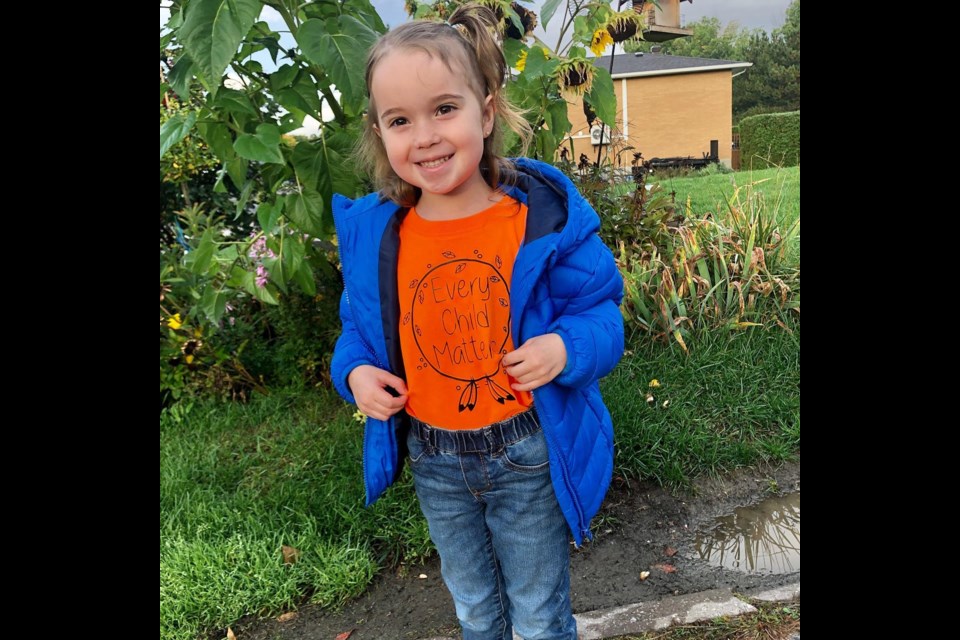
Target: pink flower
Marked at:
262, 276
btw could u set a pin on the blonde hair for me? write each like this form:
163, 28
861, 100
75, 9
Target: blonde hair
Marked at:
469, 39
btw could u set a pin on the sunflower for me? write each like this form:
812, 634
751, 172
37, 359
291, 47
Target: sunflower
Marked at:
625, 25
528, 19
521, 61
601, 38
575, 77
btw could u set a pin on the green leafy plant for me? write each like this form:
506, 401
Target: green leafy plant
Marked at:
188, 171
193, 358
245, 206
243, 114
724, 272
266, 335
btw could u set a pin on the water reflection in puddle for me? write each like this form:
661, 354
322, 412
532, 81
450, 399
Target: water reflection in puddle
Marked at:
762, 537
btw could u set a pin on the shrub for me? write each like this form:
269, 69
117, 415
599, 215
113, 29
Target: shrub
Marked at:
771, 140
255, 343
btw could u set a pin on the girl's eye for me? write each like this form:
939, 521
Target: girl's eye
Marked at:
396, 122
444, 109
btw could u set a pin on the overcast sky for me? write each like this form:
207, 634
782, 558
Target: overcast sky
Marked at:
765, 14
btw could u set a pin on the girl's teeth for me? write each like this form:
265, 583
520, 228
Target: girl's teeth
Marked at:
434, 163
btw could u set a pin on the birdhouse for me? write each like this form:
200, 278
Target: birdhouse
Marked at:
663, 22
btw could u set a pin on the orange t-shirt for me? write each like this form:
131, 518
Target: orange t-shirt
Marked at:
454, 282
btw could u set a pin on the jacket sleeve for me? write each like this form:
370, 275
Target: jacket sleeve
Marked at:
349, 352
588, 288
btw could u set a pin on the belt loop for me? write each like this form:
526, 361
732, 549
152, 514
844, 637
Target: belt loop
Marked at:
529, 419
495, 440
428, 436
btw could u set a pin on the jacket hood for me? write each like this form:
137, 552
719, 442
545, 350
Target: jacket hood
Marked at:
557, 205
550, 194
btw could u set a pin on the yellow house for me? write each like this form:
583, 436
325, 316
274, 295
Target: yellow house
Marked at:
667, 106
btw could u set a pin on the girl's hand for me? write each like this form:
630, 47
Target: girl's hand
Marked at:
368, 386
537, 362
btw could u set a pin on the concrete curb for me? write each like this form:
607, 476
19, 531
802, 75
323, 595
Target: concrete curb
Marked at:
661, 614
653, 616
786, 593
671, 610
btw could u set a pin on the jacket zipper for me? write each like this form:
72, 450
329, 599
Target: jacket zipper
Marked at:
564, 472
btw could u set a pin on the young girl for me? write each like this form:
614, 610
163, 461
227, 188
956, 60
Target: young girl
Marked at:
479, 310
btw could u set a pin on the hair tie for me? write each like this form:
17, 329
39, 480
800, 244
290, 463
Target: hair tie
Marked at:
461, 29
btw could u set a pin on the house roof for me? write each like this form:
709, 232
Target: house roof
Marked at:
631, 65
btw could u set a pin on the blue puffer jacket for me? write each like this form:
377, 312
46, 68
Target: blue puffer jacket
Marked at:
565, 281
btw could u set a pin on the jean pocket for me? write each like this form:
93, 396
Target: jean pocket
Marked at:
416, 449
529, 455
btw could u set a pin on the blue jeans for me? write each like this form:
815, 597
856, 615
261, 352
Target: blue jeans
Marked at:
503, 541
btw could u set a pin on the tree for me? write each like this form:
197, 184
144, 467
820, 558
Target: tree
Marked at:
789, 61
773, 83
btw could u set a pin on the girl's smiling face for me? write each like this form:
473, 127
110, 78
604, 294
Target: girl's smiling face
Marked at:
433, 125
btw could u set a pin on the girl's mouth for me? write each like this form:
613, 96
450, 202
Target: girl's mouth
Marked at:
433, 164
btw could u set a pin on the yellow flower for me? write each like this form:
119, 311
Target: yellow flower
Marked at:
359, 416
654, 383
601, 38
522, 61
189, 358
175, 322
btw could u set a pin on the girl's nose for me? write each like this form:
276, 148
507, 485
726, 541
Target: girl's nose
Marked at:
427, 137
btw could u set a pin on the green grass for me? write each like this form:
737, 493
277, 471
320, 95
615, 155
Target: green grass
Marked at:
239, 482
733, 401
780, 189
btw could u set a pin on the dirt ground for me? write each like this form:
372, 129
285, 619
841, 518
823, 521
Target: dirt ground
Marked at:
633, 531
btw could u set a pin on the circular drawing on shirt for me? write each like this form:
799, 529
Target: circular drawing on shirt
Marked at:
454, 322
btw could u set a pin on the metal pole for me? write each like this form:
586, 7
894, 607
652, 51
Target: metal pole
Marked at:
603, 125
